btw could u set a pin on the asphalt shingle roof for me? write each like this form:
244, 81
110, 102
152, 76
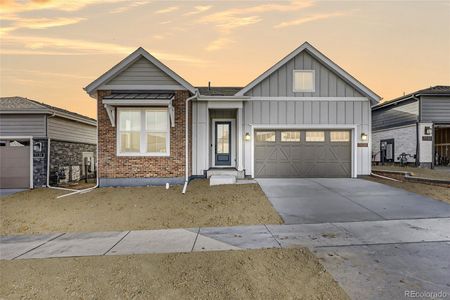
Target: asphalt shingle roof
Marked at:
21, 103
219, 90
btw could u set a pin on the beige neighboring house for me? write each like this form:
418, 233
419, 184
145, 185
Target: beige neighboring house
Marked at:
27, 127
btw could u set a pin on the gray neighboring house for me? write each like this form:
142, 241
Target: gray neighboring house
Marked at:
26, 129
417, 124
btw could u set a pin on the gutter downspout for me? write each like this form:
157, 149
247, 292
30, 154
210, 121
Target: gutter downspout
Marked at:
187, 140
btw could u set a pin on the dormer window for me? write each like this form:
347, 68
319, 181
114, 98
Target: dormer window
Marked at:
304, 81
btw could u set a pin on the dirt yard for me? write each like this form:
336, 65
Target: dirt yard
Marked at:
435, 192
109, 209
251, 274
419, 172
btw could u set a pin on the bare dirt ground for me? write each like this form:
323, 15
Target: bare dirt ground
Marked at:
251, 274
419, 172
110, 209
435, 192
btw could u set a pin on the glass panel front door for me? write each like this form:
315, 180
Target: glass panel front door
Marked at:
223, 144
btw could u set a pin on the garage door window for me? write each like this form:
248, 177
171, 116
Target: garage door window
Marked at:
339, 136
290, 136
315, 136
265, 136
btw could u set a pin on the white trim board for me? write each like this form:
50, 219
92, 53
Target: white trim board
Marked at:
322, 58
308, 99
353, 128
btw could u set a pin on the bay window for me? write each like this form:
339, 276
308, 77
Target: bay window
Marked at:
143, 131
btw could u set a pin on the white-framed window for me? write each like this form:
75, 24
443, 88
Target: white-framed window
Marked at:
304, 81
339, 136
290, 136
143, 132
315, 136
265, 136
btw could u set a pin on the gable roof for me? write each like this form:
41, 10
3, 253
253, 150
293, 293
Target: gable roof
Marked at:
438, 90
323, 59
22, 105
130, 59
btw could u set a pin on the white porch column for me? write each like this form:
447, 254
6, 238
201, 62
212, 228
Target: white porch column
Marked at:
239, 139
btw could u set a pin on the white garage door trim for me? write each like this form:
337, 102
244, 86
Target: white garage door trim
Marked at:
305, 126
30, 138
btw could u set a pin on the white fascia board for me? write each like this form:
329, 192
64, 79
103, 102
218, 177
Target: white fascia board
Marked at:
137, 102
308, 99
222, 98
140, 52
303, 126
320, 57
224, 104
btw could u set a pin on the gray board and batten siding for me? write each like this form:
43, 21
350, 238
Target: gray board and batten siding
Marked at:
280, 82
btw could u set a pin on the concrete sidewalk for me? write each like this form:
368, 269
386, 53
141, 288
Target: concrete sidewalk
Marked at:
225, 238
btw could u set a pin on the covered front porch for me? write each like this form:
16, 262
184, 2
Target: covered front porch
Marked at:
217, 137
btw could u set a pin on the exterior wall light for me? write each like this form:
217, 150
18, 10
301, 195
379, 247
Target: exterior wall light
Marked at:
247, 136
427, 130
363, 136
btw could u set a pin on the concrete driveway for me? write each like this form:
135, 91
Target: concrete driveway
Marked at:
326, 200
387, 264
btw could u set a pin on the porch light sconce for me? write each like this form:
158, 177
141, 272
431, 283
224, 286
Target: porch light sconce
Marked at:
363, 136
247, 136
427, 130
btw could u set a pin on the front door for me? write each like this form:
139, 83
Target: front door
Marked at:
223, 144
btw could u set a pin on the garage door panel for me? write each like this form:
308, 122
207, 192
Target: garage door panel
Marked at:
302, 159
14, 167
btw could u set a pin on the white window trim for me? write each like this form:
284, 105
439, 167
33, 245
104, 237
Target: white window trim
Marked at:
313, 81
143, 134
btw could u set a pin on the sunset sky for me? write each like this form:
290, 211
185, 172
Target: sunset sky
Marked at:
51, 49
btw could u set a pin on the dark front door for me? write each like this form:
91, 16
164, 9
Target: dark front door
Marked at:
387, 150
223, 144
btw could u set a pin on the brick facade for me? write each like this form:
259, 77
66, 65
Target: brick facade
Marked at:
111, 166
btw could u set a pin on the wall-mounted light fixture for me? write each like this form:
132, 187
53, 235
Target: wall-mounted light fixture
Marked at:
363, 136
37, 147
427, 130
247, 136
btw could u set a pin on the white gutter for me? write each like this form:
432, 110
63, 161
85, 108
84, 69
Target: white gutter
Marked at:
187, 140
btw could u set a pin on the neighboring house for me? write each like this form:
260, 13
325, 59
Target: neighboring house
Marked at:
304, 117
27, 127
417, 124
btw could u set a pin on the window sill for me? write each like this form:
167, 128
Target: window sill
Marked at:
143, 154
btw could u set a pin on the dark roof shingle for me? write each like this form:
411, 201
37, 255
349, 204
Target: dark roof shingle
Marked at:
219, 90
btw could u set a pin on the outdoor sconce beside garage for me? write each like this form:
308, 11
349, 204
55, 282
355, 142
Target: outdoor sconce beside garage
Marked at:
363, 136
247, 136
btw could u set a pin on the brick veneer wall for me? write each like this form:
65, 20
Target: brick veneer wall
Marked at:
112, 166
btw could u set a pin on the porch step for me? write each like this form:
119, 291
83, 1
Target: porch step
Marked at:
222, 179
230, 172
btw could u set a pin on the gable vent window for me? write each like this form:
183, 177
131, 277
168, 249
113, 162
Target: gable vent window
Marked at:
304, 81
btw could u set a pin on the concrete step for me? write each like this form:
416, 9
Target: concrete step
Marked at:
222, 179
230, 172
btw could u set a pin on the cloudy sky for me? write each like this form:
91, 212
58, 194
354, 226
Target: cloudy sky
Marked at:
51, 49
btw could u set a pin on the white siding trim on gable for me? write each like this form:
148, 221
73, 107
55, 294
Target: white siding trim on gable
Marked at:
71, 131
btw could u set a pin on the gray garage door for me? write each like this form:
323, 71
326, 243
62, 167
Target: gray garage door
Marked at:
302, 153
14, 165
